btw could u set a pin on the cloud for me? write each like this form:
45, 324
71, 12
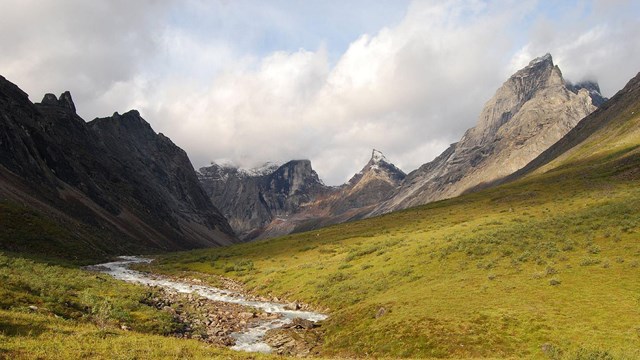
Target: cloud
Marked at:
87, 47
591, 42
408, 90
253, 81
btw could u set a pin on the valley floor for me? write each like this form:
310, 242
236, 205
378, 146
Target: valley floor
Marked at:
547, 267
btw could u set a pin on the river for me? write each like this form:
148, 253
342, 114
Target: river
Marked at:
250, 339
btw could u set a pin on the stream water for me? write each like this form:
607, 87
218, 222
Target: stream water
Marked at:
250, 339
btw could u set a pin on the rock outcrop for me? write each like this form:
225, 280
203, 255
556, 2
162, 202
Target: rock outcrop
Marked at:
532, 110
274, 201
113, 176
253, 199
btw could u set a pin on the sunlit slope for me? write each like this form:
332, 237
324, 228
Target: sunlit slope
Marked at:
545, 267
610, 131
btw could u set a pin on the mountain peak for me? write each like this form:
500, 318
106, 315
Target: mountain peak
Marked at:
546, 58
377, 157
592, 87
65, 101
229, 167
379, 166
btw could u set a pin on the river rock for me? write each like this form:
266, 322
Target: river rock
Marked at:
292, 306
300, 323
294, 341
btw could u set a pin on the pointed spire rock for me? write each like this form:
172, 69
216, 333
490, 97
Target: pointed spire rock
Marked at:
377, 156
65, 101
532, 110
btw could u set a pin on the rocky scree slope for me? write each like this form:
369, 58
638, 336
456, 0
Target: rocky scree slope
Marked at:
110, 186
532, 110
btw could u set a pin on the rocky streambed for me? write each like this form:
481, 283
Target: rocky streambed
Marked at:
226, 317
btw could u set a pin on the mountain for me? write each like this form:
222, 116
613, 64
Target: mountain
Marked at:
110, 186
270, 200
373, 184
543, 267
252, 199
613, 128
532, 110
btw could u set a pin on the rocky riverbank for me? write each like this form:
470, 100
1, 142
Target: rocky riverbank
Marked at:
226, 314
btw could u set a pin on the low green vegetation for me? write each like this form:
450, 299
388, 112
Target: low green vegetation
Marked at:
547, 267
57, 312
56, 238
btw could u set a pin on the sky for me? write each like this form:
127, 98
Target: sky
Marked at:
251, 81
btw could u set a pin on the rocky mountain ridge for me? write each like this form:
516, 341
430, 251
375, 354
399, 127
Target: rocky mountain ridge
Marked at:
532, 110
253, 199
123, 187
292, 197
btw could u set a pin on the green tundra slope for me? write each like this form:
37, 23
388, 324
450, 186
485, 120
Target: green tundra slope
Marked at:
547, 266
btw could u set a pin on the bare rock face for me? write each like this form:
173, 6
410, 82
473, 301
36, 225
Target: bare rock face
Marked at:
114, 176
373, 184
273, 201
252, 199
532, 110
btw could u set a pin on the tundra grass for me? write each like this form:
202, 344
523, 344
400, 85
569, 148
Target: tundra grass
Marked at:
547, 267
57, 312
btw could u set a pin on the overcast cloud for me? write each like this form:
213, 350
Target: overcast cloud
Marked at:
254, 81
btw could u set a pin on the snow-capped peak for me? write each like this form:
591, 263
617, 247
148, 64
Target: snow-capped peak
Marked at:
227, 167
265, 169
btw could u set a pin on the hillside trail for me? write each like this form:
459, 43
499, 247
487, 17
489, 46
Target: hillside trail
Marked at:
248, 339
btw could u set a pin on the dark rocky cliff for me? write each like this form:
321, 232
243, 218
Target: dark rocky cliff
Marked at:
252, 200
289, 198
113, 174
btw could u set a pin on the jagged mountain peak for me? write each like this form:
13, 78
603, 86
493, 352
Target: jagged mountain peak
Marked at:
541, 76
592, 87
544, 59
378, 166
65, 101
377, 156
534, 108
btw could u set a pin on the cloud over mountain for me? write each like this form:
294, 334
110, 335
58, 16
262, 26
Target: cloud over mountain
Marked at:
251, 81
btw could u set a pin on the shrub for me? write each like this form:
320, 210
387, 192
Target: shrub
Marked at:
593, 249
589, 261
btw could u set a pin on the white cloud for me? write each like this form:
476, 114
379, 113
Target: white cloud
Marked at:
87, 47
599, 45
212, 75
407, 90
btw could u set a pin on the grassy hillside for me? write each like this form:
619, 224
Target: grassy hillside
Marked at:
546, 267
57, 312
34, 233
